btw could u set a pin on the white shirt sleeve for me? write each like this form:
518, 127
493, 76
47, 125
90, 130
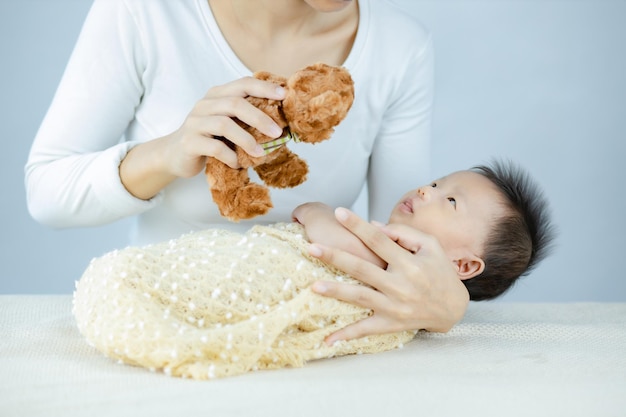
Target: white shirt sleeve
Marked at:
72, 176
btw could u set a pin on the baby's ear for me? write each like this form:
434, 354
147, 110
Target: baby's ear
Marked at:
469, 267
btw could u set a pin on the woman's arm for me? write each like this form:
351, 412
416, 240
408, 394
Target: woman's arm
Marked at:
72, 174
80, 172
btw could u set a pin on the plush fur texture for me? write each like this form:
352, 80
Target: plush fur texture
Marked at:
317, 99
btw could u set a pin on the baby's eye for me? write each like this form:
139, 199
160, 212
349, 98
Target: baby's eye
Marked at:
452, 201
434, 185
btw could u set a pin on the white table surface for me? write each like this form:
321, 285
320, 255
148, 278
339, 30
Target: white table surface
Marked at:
503, 359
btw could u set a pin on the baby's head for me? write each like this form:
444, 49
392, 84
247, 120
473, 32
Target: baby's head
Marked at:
492, 221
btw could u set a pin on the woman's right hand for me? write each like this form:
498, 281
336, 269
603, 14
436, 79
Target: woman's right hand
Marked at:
149, 167
419, 289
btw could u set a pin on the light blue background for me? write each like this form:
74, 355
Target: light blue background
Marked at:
542, 82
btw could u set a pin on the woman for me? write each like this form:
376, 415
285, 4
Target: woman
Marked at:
150, 86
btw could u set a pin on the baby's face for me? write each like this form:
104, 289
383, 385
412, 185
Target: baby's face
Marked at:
458, 209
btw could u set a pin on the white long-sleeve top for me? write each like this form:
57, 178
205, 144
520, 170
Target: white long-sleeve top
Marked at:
139, 67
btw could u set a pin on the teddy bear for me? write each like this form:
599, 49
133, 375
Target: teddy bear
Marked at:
317, 98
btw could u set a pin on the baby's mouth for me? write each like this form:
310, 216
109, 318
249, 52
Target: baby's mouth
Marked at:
408, 204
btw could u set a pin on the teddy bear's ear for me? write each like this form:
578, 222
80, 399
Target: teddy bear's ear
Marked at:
318, 99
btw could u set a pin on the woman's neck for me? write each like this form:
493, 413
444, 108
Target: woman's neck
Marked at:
271, 19
281, 36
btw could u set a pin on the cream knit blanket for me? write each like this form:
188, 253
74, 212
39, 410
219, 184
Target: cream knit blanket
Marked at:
216, 303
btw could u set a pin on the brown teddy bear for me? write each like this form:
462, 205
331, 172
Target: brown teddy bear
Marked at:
317, 98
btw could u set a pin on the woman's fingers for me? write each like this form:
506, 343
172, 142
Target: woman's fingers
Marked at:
411, 239
212, 118
352, 265
374, 238
248, 86
222, 108
229, 100
362, 296
354, 294
208, 127
371, 325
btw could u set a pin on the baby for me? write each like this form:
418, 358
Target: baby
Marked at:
492, 222
216, 303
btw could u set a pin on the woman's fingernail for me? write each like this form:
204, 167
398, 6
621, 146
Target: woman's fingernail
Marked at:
319, 287
276, 131
315, 250
258, 150
341, 213
280, 92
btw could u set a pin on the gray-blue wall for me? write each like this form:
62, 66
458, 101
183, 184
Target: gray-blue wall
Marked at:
541, 82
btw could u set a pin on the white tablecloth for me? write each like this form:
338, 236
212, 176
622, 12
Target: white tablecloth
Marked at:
501, 360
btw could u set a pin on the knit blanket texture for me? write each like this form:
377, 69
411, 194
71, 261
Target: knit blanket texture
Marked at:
216, 303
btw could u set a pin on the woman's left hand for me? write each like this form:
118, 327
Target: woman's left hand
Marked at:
419, 289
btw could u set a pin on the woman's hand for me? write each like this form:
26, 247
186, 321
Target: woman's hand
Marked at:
419, 289
149, 167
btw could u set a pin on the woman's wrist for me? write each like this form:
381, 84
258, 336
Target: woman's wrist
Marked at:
143, 172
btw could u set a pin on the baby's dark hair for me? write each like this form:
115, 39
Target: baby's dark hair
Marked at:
520, 239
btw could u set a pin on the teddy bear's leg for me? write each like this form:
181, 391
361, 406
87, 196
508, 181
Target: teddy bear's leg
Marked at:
236, 197
285, 169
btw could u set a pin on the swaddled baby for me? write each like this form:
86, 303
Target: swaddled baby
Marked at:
217, 303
